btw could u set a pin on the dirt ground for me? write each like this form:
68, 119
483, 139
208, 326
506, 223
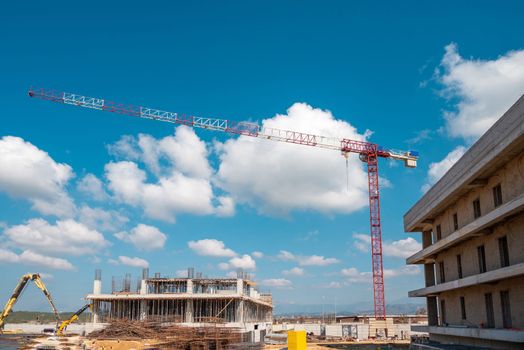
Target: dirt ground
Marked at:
80, 343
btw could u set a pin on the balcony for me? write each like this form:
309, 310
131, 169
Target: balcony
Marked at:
475, 228
486, 277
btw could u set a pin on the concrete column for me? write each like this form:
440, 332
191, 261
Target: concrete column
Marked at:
97, 283
431, 303
97, 290
239, 317
188, 318
240, 286
189, 286
429, 274
426, 239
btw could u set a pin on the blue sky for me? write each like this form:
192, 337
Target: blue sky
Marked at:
82, 189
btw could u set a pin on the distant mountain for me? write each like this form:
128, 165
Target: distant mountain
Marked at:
410, 307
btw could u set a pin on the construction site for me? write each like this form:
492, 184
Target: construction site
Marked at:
260, 175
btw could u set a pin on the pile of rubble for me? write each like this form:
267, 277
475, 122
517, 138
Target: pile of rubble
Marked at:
212, 336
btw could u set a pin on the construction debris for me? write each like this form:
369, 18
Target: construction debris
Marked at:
208, 336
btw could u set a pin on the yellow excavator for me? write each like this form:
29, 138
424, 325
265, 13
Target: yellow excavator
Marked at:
35, 277
60, 329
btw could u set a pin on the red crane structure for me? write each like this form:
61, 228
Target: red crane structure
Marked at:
367, 151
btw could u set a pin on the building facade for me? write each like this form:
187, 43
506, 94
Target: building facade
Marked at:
472, 226
231, 302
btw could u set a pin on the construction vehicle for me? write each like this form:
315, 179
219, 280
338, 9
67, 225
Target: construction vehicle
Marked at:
35, 277
368, 153
60, 329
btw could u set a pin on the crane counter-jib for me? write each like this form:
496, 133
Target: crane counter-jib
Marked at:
367, 151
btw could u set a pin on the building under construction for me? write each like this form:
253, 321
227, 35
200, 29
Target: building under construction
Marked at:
191, 300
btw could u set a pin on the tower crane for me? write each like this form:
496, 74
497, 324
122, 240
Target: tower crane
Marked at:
368, 153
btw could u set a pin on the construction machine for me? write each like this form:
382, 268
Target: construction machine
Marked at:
60, 329
35, 277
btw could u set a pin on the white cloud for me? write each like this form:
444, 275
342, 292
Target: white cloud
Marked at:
402, 248
144, 237
353, 275
307, 260
226, 206
66, 236
286, 256
29, 257
362, 242
132, 261
408, 270
257, 254
244, 262
47, 276
277, 178
91, 186
485, 89
316, 260
295, 271
438, 169
126, 148
101, 219
30, 173
183, 151
210, 247
277, 283
176, 193
334, 285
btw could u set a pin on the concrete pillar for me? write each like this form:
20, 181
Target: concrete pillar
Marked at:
426, 239
240, 286
189, 286
239, 317
97, 283
432, 311
143, 309
97, 290
188, 318
429, 274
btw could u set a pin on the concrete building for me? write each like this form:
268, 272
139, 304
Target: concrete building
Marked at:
472, 225
232, 302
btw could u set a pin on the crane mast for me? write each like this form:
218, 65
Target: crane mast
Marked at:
367, 151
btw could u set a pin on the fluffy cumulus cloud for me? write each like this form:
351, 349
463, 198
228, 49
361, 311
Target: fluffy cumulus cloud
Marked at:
130, 261
438, 169
181, 172
402, 248
353, 275
29, 257
101, 219
65, 236
280, 283
28, 172
277, 178
144, 237
91, 186
211, 247
307, 260
257, 254
484, 89
244, 262
295, 271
